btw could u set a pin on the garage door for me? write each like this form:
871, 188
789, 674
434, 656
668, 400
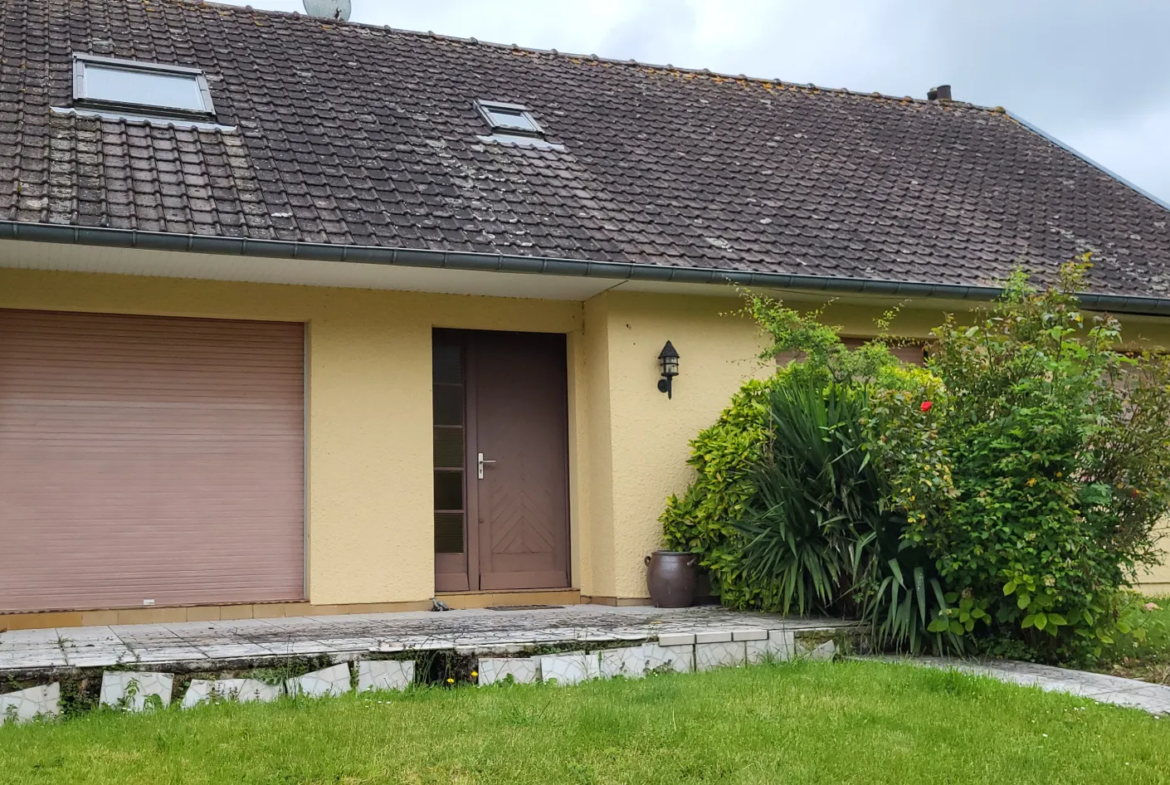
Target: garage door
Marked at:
149, 461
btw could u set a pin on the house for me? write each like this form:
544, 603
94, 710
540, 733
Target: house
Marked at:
310, 317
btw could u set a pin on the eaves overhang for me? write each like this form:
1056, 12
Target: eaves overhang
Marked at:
534, 265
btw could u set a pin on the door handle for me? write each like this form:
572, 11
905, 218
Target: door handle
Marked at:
481, 463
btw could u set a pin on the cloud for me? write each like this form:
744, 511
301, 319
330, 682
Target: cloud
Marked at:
1090, 73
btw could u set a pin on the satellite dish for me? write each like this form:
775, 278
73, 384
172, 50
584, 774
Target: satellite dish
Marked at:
329, 9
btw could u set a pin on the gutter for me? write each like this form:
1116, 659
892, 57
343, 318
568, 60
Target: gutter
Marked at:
536, 265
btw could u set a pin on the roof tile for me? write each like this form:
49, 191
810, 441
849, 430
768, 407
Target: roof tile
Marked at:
353, 134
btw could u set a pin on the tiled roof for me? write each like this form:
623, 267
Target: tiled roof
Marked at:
351, 134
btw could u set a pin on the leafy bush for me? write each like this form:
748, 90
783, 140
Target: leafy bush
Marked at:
725, 457
1145, 656
812, 519
1060, 458
998, 500
821, 535
788, 512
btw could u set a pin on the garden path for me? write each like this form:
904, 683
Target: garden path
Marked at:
1154, 698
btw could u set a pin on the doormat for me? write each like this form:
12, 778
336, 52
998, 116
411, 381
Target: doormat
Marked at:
523, 607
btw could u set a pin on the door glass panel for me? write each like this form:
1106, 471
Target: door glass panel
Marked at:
448, 404
448, 363
448, 532
449, 393
448, 490
448, 447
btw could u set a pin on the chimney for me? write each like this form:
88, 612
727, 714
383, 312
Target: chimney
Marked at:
337, 10
940, 93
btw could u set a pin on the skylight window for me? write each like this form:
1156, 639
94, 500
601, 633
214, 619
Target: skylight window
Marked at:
143, 88
510, 119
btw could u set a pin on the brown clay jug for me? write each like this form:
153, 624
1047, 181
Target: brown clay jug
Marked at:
671, 577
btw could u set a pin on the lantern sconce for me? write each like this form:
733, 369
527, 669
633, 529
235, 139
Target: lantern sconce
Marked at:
668, 362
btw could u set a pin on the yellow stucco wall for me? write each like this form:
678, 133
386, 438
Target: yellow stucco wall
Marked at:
1156, 580
370, 526
647, 433
370, 486
595, 451
641, 450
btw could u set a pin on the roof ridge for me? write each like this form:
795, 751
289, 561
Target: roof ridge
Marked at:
703, 72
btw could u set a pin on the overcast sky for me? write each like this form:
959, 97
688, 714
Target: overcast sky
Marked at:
1093, 73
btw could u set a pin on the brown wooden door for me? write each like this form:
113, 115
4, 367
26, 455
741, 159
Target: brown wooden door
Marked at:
515, 509
522, 498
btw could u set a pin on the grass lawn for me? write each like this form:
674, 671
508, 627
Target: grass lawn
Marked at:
851, 722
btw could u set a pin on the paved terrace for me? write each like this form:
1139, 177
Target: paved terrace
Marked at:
193, 647
204, 646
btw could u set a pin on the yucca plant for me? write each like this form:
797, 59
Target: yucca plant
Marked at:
809, 532
902, 599
821, 536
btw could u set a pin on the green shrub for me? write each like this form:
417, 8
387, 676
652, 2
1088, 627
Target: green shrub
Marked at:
789, 512
725, 458
1060, 458
907, 604
813, 518
998, 500
822, 534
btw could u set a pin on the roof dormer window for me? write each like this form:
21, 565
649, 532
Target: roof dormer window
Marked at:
509, 119
148, 89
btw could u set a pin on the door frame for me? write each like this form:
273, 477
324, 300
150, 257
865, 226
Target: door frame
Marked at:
470, 456
448, 576
470, 579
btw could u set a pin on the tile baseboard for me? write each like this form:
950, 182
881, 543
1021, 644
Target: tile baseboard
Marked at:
487, 599
276, 610
618, 602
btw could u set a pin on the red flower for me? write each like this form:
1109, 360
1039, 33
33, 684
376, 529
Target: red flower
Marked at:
926, 405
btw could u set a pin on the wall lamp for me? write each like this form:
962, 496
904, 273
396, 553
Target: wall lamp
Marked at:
668, 362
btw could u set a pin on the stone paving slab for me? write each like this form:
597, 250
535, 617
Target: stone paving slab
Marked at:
569, 668
629, 662
524, 670
136, 689
719, 654
240, 690
1132, 693
28, 705
385, 675
326, 683
190, 646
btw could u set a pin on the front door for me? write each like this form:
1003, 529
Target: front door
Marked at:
501, 461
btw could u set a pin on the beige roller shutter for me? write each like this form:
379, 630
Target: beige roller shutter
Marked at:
149, 459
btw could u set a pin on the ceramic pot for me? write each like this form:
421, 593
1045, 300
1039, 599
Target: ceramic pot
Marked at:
671, 577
